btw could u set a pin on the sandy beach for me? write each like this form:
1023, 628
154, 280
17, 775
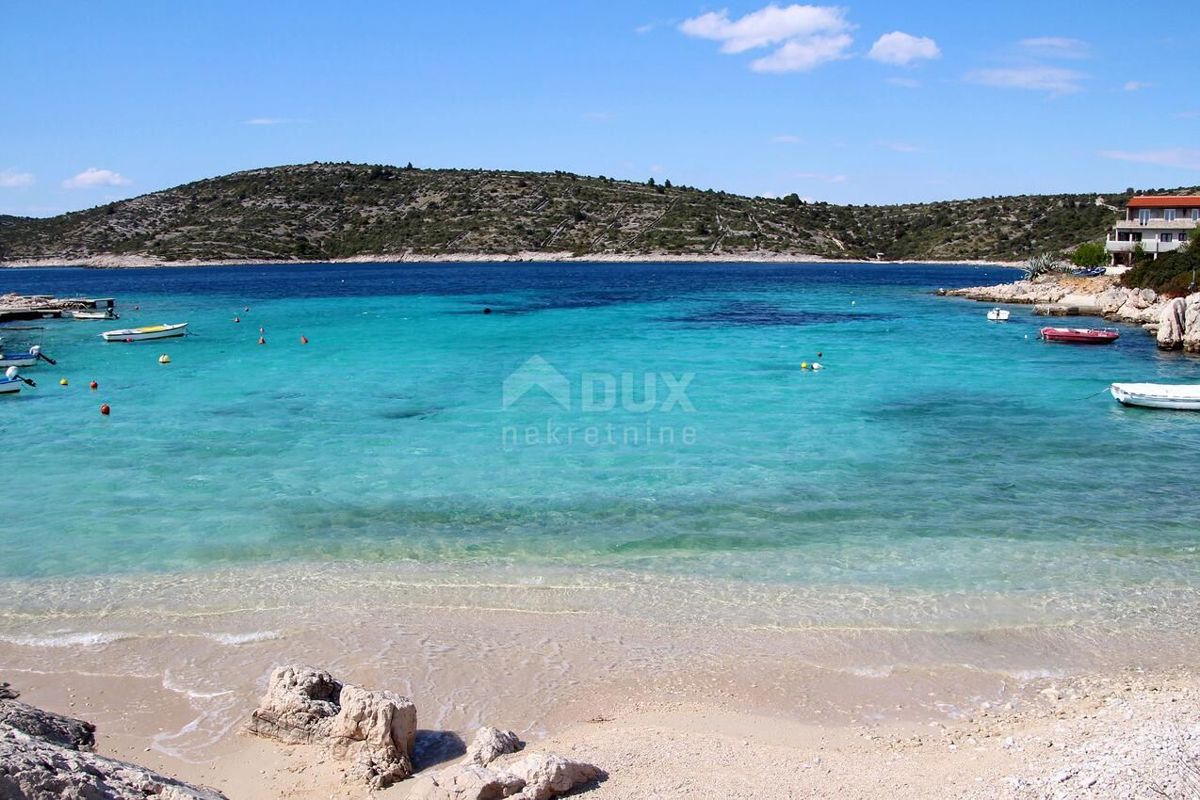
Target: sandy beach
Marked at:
728, 706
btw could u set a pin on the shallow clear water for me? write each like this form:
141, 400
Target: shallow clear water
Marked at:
935, 452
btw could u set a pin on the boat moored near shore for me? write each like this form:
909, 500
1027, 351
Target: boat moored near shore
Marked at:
12, 381
141, 334
1179, 397
1081, 335
998, 315
26, 359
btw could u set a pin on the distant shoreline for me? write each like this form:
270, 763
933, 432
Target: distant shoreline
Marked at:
126, 262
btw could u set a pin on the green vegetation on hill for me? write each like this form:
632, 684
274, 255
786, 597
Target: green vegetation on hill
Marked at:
318, 211
1174, 274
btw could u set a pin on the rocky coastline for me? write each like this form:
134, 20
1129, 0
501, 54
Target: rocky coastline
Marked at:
1175, 322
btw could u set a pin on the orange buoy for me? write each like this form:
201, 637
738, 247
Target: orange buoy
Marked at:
303, 340
62, 382
104, 409
94, 386
262, 340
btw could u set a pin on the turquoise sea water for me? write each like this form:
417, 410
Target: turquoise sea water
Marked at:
935, 452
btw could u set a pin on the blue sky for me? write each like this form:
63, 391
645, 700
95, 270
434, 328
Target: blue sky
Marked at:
864, 102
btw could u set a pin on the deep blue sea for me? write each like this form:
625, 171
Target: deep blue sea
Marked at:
652, 418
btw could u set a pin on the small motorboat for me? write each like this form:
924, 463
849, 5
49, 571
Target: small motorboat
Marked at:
12, 381
92, 315
26, 359
141, 334
998, 315
1178, 396
1081, 335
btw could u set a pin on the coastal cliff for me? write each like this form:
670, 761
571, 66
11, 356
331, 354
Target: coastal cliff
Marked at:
1174, 321
324, 211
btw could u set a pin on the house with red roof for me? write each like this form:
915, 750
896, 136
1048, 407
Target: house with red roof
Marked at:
1159, 224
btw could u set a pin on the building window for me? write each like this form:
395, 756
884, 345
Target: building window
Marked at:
1169, 214
1144, 216
1196, 215
1167, 237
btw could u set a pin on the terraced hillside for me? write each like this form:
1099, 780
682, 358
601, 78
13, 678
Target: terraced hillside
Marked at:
321, 210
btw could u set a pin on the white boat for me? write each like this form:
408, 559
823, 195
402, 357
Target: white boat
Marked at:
12, 382
140, 334
26, 359
998, 315
1179, 396
89, 315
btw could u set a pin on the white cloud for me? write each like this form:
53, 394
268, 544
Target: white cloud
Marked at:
766, 26
92, 177
803, 55
13, 179
806, 35
1057, 47
904, 83
1173, 157
1188, 114
819, 176
599, 116
786, 138
267, 121
641, 30
1133, 86
1054, 80
902, 48
901, 147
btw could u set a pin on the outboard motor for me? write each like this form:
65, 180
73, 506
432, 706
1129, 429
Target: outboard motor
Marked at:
36, 350
12, 374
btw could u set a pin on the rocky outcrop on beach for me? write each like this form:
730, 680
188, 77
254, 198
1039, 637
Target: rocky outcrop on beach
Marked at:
1191, 321
489, 744
492, 770
45, 756
305, 705
1179, 324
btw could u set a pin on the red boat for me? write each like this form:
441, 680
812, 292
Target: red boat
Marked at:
1080, 335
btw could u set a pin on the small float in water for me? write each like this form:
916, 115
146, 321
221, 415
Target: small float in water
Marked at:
1177, 396
141, 334
998, 315
12, 381
1081, 335
26, 359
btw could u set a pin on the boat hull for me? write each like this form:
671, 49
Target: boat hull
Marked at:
1175, 397
10, 385
21, 360
143, 334
998, 315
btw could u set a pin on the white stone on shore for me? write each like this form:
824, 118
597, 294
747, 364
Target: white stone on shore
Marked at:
304, 705
1191, 322
1171, 324
536, 776
490, 743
